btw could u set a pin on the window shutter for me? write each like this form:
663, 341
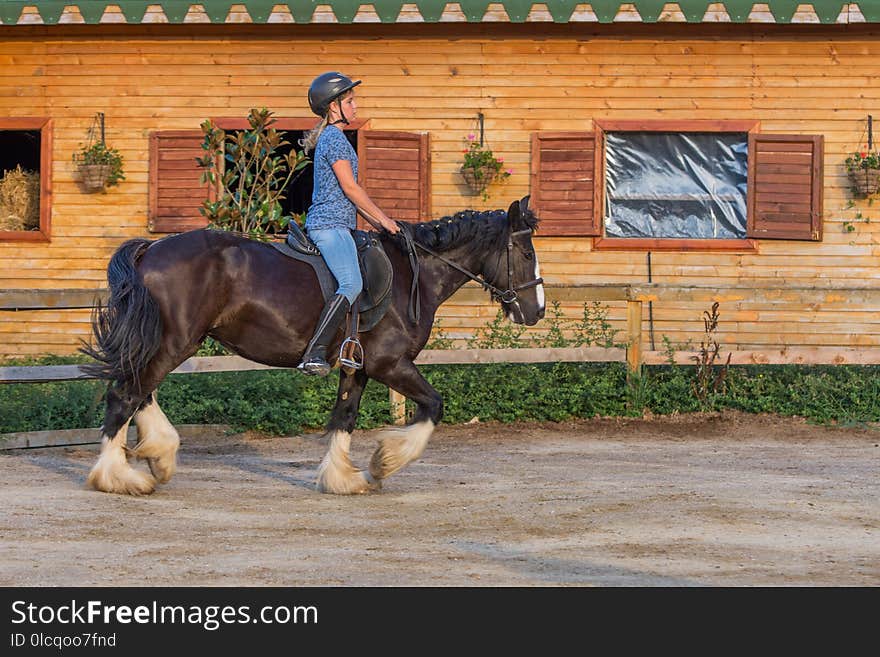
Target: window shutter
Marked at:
785, 187
562, 183
175, 191
395, 170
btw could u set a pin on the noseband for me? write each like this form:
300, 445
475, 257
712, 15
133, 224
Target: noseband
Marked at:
508, 296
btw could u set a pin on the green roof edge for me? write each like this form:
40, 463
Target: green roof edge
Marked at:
388, 11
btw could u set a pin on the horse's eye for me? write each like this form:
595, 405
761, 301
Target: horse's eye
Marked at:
529, 255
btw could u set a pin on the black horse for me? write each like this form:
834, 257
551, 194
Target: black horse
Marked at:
167, 295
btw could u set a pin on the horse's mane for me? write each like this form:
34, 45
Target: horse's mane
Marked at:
467, 226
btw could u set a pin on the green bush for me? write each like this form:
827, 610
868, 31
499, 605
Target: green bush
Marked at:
284, 402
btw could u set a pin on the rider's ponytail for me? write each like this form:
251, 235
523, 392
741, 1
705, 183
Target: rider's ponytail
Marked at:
311, 138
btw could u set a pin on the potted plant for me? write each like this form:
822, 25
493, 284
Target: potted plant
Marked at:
480, 167
863, 168
99, 166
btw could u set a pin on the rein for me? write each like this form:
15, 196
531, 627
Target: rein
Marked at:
508, 296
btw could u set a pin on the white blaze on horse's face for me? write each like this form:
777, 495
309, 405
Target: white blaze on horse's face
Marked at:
525, 308
515, 313
539, 291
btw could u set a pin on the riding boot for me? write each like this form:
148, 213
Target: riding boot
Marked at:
315, 359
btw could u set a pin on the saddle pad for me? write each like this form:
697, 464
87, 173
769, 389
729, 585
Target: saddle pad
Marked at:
325, 278
376, 272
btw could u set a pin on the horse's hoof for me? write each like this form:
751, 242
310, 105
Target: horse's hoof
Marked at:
161, 472
374, 484
133, 482
388, 458
356, 485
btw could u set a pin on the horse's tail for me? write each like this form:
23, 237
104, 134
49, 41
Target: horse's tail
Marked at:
128, 330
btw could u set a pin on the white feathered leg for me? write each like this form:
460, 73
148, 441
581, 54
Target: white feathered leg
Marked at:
337, 474
399, 446
113, 474
158, 441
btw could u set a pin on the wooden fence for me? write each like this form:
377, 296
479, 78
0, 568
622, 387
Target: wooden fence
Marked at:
634, 354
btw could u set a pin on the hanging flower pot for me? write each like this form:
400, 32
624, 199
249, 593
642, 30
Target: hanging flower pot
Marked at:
478, 178
865, 181
480, 167
94, 177
863, 168
98, 165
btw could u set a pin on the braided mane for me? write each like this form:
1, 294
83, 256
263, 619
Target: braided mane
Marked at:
481, 228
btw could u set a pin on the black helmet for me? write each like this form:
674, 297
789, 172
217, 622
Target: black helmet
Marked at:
326, 88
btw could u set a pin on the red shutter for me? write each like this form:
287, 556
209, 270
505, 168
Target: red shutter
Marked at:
785, 187
395, 170
175, 191
562, 183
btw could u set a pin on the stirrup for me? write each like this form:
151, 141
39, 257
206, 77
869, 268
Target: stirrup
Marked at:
355, 357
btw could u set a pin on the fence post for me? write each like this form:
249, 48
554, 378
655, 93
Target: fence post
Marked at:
634, 335
398, 406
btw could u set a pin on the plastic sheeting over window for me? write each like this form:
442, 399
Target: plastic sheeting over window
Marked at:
676, 185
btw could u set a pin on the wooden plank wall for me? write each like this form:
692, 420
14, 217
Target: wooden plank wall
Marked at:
811, 82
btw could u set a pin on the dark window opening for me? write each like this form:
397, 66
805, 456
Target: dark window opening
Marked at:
20, 147
298, 195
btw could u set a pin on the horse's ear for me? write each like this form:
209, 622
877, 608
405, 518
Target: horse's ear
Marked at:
519, 215
513, 214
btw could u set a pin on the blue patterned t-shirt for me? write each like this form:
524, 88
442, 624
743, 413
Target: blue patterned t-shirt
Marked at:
330, 206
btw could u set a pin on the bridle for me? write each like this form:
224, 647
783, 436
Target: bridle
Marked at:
508, 296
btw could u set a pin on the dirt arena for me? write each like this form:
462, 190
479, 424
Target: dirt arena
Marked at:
706, 500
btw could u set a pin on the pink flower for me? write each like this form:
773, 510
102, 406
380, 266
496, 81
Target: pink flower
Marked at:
471, 136
500, 160
509, 171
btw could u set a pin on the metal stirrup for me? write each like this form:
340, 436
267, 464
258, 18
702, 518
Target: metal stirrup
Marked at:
355, 359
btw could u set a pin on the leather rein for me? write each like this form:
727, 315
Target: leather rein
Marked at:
508, 296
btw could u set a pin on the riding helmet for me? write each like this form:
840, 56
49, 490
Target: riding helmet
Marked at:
326, 88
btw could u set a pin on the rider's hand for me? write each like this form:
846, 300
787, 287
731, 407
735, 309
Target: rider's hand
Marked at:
391, 227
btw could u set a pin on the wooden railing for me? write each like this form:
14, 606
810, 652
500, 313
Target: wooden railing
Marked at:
634, 354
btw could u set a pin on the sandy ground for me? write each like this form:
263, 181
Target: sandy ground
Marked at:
717, 500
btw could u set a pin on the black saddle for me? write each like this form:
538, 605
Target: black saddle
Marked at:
375, 270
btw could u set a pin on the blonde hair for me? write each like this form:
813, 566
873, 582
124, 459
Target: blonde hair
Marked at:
311, 137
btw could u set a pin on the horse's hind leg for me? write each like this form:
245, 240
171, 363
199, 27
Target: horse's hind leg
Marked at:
399, 446
112, 472
337, 474
158, 440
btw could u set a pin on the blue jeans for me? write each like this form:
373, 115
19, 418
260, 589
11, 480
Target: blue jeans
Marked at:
340, 254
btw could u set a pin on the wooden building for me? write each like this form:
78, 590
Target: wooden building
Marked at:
551, 87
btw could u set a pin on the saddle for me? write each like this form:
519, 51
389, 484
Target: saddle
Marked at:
373, 302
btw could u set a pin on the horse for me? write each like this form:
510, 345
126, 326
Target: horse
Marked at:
167, 295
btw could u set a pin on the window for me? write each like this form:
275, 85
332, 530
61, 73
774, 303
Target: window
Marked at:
25, 179
678, 185
394, 168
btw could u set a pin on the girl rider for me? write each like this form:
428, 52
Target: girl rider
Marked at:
336, 200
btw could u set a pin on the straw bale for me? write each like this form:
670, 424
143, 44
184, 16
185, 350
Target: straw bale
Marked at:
20, 200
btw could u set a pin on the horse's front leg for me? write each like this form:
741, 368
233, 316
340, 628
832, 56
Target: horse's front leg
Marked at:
401, 445
337, 474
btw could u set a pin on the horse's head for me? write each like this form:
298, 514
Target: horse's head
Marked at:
517, 273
